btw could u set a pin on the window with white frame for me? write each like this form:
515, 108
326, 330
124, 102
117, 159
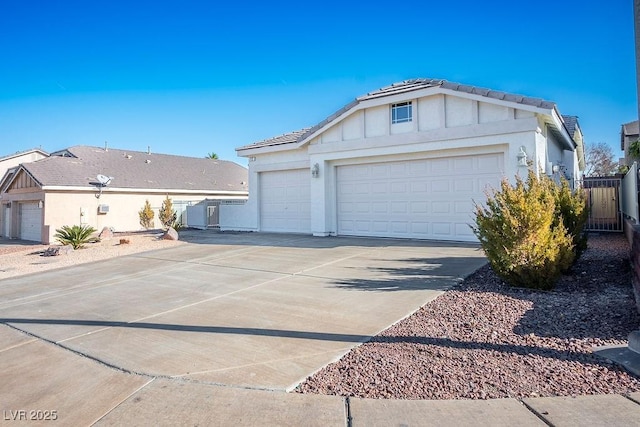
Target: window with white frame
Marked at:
401, 112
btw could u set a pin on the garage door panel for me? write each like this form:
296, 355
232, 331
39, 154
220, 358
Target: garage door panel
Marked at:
489, 164
285, 203
428, 198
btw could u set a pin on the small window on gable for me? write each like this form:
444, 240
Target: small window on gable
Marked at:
401, 112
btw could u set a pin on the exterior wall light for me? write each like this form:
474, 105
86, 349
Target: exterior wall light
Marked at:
522, 157
315, 170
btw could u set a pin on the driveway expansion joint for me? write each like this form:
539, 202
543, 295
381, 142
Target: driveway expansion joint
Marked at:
536, 413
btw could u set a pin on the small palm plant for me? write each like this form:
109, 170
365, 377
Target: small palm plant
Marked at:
76, 235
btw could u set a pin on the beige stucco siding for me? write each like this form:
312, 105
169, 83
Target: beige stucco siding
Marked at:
69, 208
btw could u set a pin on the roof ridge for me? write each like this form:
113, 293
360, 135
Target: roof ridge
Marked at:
400, 87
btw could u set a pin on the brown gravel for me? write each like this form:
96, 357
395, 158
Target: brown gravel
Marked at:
483, 339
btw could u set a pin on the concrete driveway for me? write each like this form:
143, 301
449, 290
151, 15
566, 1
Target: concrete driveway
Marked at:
252, 311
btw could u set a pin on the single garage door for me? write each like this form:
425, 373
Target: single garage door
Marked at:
285, 201
424, 199
30, 222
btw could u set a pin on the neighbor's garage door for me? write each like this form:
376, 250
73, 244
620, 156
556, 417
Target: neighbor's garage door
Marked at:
285, 201
30, 222
425, 199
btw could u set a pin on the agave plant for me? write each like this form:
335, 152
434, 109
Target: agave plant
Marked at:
76, 235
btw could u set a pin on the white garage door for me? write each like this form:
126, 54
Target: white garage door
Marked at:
424, 199
30, 222
285, 201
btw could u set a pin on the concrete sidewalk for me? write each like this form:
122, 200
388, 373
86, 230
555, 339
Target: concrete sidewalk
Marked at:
217, 331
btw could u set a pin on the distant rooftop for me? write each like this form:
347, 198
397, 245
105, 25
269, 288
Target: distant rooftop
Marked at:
78, 166
22, 153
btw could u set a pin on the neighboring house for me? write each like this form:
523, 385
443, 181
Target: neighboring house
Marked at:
630, 132
66, 189
408, 160
9, 163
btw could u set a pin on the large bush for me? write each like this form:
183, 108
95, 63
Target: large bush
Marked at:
524, 241
572, 209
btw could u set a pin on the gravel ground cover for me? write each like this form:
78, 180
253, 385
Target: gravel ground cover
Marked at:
484, 339
19, 258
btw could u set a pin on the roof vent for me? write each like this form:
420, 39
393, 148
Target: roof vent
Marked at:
148, 149
147, 161
128, 156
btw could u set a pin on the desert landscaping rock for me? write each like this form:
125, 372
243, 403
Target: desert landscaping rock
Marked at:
484, 339
170, 234
17, 260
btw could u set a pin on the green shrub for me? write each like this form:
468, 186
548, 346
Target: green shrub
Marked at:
146, 215
167, 215
525, 244
572, 209
76, 235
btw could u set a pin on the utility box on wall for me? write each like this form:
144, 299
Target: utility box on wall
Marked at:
103, 209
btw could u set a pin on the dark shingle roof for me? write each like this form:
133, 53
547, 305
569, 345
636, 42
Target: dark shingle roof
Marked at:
135, 169
395, 89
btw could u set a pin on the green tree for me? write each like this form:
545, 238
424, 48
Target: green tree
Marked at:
167, 215
146, 215
213, 156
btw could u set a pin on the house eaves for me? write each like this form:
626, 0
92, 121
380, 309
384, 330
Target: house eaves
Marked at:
10, 177
62, 188
398, 92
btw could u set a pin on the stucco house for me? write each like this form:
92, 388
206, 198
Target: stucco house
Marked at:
105, 187
10, 162
407, 160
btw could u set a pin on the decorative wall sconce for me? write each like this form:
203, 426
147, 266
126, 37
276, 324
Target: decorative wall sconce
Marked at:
315, 170
522, 157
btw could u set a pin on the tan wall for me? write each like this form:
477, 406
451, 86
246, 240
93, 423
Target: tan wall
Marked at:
75, 208
82, 208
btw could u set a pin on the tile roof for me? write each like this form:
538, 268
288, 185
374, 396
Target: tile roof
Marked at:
399, 88
135, 169
286, 138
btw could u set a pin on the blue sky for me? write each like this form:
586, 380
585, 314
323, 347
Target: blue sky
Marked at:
194, 77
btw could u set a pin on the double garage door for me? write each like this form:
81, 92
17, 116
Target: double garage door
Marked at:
422, 199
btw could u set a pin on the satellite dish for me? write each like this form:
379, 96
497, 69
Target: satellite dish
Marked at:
103, 179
